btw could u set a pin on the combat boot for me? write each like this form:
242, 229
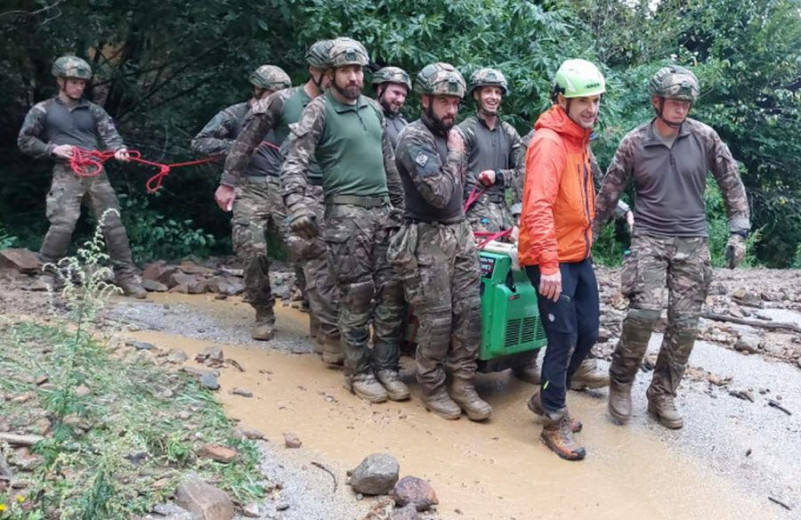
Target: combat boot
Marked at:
367, 387
333, 355
556, 435
619, 400
463, 392
663, 408
263, 328
390, 380
528, 371
131, 286
535, 405
589, 375
441, 404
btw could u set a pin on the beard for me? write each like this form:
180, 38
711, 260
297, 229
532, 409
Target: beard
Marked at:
351, 91
438, 125
388, 107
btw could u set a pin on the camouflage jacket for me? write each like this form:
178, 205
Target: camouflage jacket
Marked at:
499, 149
670, 181
219, 135
306, 136
432, 175
51, 123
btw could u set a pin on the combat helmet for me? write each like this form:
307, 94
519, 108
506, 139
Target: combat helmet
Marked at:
675, 82
440, 79
270, 77
317, 55
392, 75
347, 51
486, 77
71, 67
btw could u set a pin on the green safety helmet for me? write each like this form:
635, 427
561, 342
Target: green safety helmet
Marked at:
317, 55
440, 79
347, 51
270, 77
392, 75
487, 77
675, 82
579, 78
71, 67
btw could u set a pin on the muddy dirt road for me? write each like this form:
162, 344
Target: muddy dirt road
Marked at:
732, 455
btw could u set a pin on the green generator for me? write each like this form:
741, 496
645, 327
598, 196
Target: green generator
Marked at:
510, 320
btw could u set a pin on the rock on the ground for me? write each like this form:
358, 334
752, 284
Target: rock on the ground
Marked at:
154, 271
218, 453
407, 512
375, 475
243, 392
413, 490
205, 501
748, 343
22, 260
141, 345
206, 378
291, 440
171, 512
5, 469
176, 356
251, 510
154, 286
212, 353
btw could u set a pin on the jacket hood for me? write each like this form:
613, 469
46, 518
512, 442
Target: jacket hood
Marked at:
557, 120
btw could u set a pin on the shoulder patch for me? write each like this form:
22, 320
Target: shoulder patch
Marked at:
421, 159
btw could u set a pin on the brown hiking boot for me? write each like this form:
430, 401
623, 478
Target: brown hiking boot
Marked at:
441, 404
619, 401
367, 387
663, 408
390, 380
557, 436
263, 328
535, 405
464, 394
131, 286
589, 375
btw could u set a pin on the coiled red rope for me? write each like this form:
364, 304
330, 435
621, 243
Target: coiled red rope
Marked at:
483, 237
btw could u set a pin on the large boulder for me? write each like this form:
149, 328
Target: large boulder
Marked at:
204, 500
375, 475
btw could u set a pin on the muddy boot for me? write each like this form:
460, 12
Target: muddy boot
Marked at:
619, 400
131, 286
367, 387
589, 375
333, 355
535, 405
441, 404
314, 326
528, 372
663, 408
263, 328
463, 393
390, 380
557, 436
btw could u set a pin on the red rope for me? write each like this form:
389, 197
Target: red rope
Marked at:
489, 236
475, 194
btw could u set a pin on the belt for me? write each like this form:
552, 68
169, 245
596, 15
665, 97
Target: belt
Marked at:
260, 179
497, 198
357, 200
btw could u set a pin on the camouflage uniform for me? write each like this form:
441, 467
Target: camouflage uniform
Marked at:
275, 114
668, 247
258, 205
359, 182
395, 122
49, 124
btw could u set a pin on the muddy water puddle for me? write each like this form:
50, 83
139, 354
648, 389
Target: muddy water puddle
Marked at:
497, 470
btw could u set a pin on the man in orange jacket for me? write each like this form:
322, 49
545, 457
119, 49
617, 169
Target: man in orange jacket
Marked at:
556, 241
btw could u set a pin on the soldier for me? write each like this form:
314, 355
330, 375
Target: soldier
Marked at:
344, 130
392, 85
53, 129
258, 204
435, 253
555, 244
668, 159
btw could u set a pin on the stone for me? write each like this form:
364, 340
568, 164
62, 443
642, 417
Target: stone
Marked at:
251, 510
719, 380
748, 343
212, 353
189, 267
242, 392
281, 506
416, 491
140, 345
291, 440
22, 398
407, 512
205, 501
375, 475
176, 356
82, 390
198, 287
172, 512
217, 453
154, 286
253, 435
154, 271
209, 381
22, 260
26, 461
6, 473
746, 297
181, 288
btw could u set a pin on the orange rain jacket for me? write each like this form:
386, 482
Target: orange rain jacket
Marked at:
558, 196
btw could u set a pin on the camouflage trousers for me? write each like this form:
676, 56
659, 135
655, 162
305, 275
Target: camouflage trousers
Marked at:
67, 193
683, 265
321, 287
438, 264
487, 216
357, 239
258, 207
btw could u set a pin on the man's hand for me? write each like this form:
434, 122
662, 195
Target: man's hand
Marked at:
224, 196
63, 151
551, 285
487, 177
302, 221
455, 141
735, 251
122, 154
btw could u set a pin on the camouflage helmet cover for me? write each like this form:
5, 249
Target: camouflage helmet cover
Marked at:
270, 77
486, 77
440, 79
71, 67
675, 82
392, 75
317, 55
347, 51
